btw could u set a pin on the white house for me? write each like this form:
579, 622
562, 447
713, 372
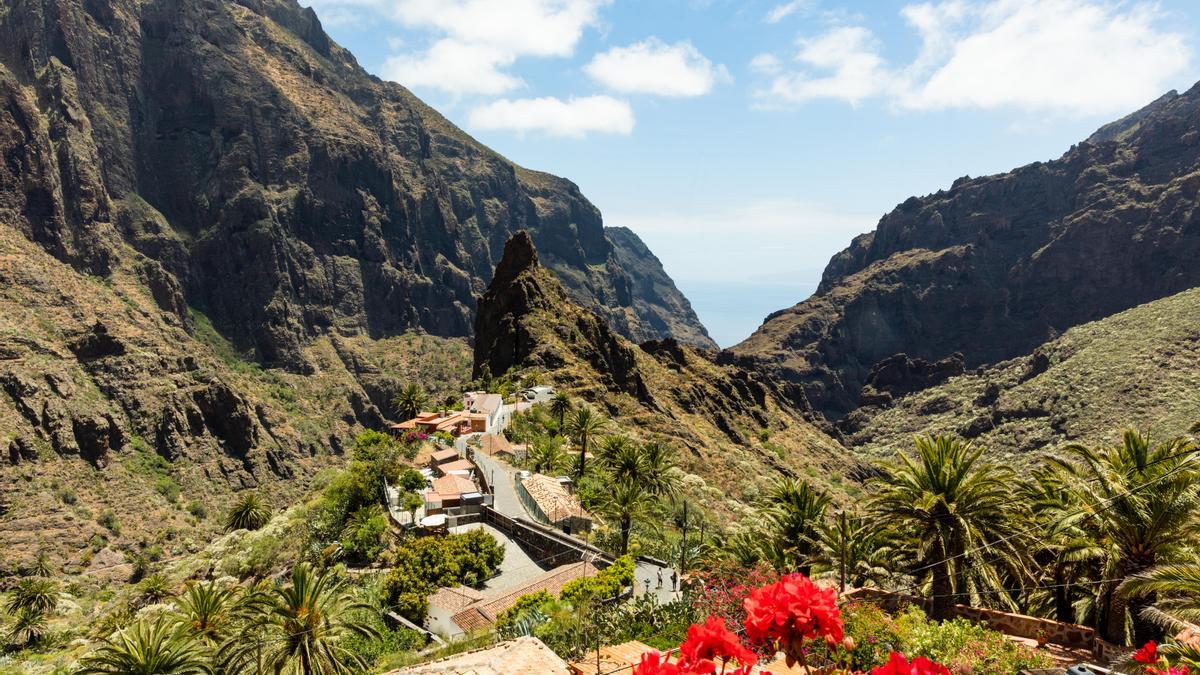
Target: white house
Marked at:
489, 405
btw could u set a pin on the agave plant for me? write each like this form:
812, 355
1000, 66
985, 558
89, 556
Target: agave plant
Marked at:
301, 627
148, 647
34, 593
28, 627
249, 513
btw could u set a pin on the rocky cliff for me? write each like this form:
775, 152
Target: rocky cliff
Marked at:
281, 189
1134, 369
222, 247
732, 421
995, 266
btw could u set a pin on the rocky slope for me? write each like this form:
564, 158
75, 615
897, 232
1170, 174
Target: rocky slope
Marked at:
222, 246
995, 266
1137, 368
732, 422
285, 190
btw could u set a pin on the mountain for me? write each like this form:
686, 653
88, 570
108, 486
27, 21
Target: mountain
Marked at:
1136, 368
223, 247
995, 266
287, 191
732, 422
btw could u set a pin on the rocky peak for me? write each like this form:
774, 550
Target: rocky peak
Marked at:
997, 265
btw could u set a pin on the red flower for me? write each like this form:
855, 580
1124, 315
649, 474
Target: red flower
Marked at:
653, 663
791, 610
898, 665
1147, 654
705, 644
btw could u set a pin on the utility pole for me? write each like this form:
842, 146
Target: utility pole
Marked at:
683, 541
842, 551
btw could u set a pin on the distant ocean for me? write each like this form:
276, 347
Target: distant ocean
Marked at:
731, 311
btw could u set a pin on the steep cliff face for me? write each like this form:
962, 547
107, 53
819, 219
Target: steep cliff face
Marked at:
733, 422
995, 266
1134, 369
284, 190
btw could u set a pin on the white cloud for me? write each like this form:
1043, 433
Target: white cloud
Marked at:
849, 57
485, 35
780, 12
654, 67
1073, 56
455, 67
574, 117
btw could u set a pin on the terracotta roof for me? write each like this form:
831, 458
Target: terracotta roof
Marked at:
552, 498
491, 444
444, 455
453, 485
612, 658
484, 613
456, 465
523, 656
454, 599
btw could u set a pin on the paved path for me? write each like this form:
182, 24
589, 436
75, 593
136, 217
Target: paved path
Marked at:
504, 488
645, 571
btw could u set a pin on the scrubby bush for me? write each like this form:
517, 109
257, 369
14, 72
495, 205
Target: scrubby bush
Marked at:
362, 540
108, 520
167, 487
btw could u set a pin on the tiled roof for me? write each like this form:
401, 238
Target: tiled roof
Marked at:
484, 613
523, 656
444, 455
611, 659
491, 444
454, 599
552, 498
483, 403
456, 465
453, 485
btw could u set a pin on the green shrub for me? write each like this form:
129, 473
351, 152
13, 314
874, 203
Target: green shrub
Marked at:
363, 539
963, 646
608, 583
108, 520
67, 496
525, 603
197, 509
167, 487
410, 479
426, 564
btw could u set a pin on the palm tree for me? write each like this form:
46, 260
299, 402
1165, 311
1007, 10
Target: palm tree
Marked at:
148, 648
560, 405
153, 589
622, 458
303, 626
868, 550
1066, 553
626, 502
28, 627
796, 512
208, 610
1139, 500
546, 454
410, 400
41, 566
957, 508
249, 513
1178, 589
585, 424
661, 474
34, 593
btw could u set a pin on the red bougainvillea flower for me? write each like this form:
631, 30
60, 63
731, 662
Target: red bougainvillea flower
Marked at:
1171, 670
898, 665
653, 663
1147, 654
711, 641
791, 610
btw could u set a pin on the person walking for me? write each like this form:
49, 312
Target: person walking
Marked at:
674, 581
660, 578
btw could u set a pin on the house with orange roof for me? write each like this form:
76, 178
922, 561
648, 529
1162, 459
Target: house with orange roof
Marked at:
449, 491
481, 614
549, 502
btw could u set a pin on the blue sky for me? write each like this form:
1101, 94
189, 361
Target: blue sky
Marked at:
747, 142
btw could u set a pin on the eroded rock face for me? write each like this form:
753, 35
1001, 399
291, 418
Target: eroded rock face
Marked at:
273, 183
995, 266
